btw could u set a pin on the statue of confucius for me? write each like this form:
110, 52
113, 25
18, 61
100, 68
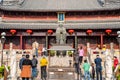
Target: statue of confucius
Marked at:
61, 34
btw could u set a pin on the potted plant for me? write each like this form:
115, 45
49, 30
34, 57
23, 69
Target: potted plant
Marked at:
70, 53
2, 70
118, 73
52, 53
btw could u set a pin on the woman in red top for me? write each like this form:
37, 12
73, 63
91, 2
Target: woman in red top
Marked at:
115, 62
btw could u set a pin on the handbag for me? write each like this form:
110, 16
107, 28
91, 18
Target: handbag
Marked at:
90, 69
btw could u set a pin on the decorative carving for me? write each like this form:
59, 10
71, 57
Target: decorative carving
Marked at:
9, 2
108, 65
113, 1
13, 64
104, 2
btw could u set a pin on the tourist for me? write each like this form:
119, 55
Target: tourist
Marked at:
98, 61
86, 67
43, 64
115, 62
104, 49
26, 68
34, 67
93, 71
76, 59
21, 60
81, 53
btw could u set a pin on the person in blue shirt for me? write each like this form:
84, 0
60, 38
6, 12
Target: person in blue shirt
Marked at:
21, 60
98, 61
34, 67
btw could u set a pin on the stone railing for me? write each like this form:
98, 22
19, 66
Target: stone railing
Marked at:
61, 61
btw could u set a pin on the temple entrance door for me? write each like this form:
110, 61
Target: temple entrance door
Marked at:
93, 40
110, 39
29, 41
51, 41
71, 41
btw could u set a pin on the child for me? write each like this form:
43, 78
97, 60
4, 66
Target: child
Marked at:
93, 71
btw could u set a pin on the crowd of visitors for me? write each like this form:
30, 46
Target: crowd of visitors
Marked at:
28, 67
91, 71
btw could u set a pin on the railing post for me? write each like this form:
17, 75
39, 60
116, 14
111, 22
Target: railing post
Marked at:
6, 72
46, 43
76, 43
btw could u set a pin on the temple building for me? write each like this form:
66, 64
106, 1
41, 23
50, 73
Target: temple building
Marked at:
26, 21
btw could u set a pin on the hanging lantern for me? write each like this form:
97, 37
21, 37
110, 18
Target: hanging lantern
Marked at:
108, 31
12, 31
29, 31
50, 31
89, 32
71, 31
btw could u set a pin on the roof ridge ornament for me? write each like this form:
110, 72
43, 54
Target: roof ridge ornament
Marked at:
11, 2
113, 1
105, 2
20, 2
102, 2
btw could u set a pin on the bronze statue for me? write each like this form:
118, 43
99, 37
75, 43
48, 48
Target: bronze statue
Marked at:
61, 34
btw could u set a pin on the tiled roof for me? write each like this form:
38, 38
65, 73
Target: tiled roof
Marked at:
60, 5
92, 25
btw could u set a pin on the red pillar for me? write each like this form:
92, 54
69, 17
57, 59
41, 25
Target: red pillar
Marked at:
21, 41
101, 40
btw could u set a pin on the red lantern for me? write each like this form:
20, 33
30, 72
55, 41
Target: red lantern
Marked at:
12, 31
71, 31
50, 31
89, 32
108, 31
29, 31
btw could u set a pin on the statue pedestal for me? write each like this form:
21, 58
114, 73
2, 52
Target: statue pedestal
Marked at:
61, 47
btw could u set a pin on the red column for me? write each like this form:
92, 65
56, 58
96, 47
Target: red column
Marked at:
101, 40
21, 41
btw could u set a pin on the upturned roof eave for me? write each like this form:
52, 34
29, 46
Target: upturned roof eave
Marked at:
107, 25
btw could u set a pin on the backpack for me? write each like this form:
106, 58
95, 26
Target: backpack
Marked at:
34, 62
